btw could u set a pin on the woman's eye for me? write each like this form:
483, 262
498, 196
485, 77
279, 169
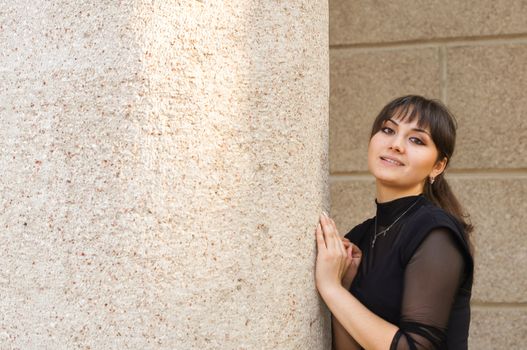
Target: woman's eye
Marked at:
387, 130
417, 141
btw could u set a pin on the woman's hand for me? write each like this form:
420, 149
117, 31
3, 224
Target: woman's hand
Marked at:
333, 258
356, 256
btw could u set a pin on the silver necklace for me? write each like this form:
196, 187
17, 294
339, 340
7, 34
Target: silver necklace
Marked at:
383, 232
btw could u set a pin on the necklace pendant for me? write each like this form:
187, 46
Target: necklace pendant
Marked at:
383, 232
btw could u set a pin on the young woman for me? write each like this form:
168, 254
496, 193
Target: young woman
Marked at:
402, 279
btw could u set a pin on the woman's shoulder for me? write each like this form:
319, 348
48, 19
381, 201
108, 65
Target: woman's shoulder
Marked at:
429, 218
430, 214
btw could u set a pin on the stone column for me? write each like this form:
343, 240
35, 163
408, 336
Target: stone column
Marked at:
162, 167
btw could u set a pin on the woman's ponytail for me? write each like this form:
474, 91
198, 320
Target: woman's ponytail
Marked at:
440, 193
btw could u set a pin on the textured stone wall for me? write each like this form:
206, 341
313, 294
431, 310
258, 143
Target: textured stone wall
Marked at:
162, 168
472, 55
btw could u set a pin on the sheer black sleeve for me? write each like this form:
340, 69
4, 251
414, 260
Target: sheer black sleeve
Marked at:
431, 281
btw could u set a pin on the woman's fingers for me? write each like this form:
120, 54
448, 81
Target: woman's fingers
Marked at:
356, 252
349, 255
331, 235
321, 244
356, 255
338, 239
328, 232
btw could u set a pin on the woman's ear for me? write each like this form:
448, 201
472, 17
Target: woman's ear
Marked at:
439, 167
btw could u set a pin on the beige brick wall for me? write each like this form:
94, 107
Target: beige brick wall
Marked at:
473, 56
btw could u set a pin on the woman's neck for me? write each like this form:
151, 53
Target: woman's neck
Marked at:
387, 194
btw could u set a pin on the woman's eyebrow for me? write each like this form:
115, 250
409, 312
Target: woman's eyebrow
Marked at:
393, 121
414, 129
422, 130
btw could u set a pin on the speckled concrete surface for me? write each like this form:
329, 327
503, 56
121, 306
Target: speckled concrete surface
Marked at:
163, 165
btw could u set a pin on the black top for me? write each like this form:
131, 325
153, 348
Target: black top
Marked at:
418, 275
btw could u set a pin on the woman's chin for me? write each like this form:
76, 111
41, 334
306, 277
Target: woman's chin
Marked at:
388, 176
394, 182
388, 181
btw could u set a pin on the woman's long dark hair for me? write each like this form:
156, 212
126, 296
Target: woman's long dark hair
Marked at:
435, 116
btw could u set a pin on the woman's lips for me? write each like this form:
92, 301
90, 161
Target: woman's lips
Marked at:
392, 161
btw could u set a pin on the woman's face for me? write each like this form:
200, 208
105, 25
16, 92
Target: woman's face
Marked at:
402, 156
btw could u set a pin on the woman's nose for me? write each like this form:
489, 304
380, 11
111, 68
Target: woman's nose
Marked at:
397, 144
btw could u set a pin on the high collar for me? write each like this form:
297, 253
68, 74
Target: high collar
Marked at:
388, 212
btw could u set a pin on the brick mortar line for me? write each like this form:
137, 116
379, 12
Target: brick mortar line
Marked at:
447, 42
498, 306
488, 174
460, 174
444, 73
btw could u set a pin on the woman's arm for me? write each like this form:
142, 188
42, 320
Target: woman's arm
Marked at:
431, 281
368, 329
341, 338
